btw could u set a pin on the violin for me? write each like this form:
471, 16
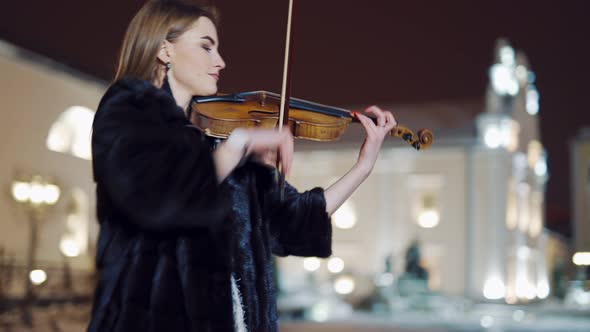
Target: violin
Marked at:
218, 116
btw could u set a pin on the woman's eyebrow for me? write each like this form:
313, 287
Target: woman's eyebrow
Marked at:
209, 39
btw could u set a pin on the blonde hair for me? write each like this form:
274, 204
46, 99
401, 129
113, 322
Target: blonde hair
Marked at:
156, 21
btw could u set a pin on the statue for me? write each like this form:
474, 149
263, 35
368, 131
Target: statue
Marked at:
413, 267
414, 280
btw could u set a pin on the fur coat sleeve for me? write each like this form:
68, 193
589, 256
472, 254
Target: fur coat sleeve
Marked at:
155, 168
299, 223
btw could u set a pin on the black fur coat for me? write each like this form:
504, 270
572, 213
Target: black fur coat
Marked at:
171, 236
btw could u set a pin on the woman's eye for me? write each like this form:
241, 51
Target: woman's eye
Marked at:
207, 48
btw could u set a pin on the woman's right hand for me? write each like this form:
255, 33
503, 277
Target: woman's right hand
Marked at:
255, 142
263, 142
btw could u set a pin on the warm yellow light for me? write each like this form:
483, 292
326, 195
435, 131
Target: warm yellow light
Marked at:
511, 299
38, 277
493, 137
59, 137
82, 150
534, 153
581, 258
335, 265
531, 291
428, 218
311, 264
511, 211
344, 217
525, 289
71, 132
543, 289
494, 289
344, 285
37, 192
21, 191
51, 194
69, 247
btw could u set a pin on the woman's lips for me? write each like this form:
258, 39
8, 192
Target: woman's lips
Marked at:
216, 76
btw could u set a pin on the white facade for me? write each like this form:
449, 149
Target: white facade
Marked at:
486, 185
580, 164
34, 96
485, 203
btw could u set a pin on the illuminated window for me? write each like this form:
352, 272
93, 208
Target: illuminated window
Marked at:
428, 217
71, 132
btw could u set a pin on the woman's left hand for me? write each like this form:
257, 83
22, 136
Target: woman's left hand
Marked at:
376, 133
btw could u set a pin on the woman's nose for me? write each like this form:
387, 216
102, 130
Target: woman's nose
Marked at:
220, 63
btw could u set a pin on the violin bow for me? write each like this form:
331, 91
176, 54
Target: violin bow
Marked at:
285, 91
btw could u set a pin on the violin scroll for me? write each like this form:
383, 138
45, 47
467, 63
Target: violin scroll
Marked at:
423, 140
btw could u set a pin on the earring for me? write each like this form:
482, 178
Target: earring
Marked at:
165, 83
167, 66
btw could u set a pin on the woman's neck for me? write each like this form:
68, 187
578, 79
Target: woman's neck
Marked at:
181, 97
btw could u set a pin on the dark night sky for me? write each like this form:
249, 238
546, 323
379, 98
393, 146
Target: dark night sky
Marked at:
359, 52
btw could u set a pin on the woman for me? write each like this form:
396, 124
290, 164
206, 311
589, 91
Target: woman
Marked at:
187, 231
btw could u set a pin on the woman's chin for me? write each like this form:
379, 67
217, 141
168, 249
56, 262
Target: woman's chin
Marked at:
209, 91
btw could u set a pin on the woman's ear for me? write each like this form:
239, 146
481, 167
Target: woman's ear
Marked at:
166, 49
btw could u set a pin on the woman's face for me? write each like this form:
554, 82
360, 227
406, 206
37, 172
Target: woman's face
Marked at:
195, 60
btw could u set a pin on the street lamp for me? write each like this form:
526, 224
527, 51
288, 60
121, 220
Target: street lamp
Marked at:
36, 195
581, 258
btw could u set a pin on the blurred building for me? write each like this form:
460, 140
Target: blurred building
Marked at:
580, 184
47, 113
474, 200
580, 161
